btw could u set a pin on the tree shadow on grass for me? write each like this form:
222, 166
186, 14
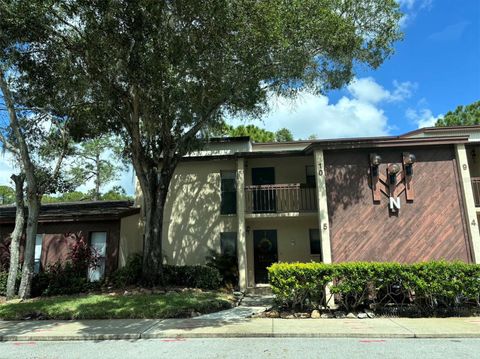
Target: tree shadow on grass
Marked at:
148, 311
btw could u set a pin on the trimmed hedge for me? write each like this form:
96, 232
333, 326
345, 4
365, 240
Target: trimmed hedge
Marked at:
428, 286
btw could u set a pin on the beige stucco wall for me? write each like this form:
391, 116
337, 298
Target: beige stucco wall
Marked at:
131, 238
293, 239
192, 222
287, 169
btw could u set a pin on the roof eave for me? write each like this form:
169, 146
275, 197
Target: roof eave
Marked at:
389, 142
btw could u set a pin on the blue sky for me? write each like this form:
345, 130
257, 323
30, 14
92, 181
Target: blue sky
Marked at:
434, 69
440, 54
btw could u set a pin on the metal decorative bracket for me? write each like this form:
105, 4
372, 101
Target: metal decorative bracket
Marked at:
394, 181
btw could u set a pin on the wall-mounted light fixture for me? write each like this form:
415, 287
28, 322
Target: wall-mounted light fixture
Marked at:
374, 163
409, 159
393, 169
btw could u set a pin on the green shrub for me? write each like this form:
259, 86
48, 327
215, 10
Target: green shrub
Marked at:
130, 274
3, 282
299, 284
227, 266
428, 286
203, 277
4, 279
61, 279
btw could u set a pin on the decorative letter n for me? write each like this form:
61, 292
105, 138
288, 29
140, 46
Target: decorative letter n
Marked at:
394, 204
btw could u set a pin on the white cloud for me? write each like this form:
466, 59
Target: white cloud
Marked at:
450, 33
367, 90
357, 114
411, 8
422, 117
411, 4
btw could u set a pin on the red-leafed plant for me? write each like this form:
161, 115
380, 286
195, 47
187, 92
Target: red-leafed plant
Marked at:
82, 255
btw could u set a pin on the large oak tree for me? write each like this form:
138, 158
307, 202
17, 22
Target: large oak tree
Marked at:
161, 74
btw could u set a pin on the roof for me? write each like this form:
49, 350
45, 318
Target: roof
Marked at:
76, 211
429, 136
395, 141
444, 129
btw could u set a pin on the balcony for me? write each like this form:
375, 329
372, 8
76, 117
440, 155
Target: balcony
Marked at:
476, 190
280, 198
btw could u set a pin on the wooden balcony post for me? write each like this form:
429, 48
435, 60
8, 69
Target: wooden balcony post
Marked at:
468, 201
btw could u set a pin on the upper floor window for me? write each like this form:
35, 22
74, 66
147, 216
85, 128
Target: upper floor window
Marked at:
229, 193
310, 175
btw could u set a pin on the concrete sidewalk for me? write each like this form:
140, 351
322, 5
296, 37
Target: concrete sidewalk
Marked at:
257, 327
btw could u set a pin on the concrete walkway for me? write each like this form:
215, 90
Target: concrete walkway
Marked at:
249, 306
256, 327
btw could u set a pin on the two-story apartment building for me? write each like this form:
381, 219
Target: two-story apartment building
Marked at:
407, 198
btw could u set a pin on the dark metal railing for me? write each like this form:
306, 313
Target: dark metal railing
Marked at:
280, 198
476, 190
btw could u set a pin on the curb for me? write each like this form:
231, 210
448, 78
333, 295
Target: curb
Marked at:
101, 337
61, 338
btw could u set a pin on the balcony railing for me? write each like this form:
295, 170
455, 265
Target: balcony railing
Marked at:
280, 198
476, 190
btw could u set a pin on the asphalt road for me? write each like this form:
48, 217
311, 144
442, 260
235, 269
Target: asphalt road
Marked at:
247, 348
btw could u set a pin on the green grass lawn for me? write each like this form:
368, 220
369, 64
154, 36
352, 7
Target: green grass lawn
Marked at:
105, 306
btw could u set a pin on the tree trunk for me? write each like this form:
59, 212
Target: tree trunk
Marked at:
16, 235
97, 178
33, 205
155, 192
33, 198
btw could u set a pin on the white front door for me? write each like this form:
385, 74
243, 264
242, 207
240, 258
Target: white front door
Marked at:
98, 242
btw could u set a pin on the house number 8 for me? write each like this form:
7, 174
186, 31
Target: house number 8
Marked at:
474, 223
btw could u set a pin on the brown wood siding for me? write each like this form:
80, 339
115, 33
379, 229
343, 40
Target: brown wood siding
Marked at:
55, 247
430, 228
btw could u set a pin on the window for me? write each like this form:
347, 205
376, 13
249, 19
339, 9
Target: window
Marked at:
38, 253
228, 243
315, 245
229, 193
310, 174
98, 241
